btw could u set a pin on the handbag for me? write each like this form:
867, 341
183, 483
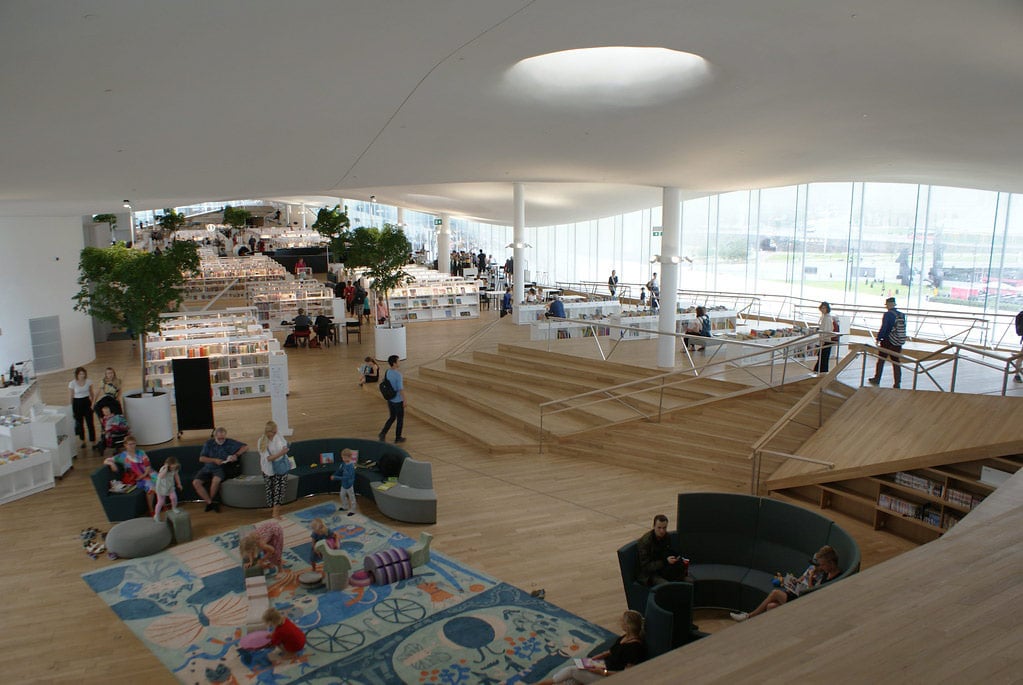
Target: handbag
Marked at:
281, 466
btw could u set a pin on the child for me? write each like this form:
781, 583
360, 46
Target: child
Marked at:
114, 426
369, 371
284, 633
346, 474
321, 532
168, 477
264, 546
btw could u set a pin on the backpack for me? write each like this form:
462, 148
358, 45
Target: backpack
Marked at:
386, 389
1019, 324
897, 336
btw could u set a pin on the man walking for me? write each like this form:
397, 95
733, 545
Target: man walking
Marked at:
395, 405
890, 340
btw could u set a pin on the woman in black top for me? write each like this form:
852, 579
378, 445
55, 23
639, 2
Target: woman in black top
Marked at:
628, 650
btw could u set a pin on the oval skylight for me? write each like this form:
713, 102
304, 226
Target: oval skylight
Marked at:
615, 76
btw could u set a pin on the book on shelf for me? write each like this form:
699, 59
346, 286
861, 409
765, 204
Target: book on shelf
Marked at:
326, 457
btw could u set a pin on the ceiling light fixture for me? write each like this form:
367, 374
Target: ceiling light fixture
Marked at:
518, 245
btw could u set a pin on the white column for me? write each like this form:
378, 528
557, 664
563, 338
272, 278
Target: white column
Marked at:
401, 217
671, 241
287, 214
444, 245
303, 216
519, 240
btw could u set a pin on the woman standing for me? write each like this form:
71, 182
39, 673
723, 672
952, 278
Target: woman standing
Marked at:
273, 460
82, 394
826, 328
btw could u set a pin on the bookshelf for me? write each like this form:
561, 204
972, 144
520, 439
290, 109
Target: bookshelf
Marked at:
439, 299
280, 301
531, 313
917, 504
53, 429
230, 276
23, 472
237, 346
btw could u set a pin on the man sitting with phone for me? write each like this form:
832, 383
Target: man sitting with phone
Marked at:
658, 562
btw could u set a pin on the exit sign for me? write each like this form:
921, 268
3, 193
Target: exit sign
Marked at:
657, 233
438, 222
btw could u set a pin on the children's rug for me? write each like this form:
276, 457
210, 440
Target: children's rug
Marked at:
447, 624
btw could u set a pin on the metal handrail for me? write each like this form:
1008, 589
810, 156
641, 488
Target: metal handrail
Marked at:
948, 353
668, 379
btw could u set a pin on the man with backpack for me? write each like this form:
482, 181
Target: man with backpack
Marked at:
890, 340
392, 388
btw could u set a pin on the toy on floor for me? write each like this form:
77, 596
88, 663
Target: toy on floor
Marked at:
391, 565
92, 541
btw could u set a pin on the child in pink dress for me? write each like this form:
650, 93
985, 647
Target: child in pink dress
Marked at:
264, 546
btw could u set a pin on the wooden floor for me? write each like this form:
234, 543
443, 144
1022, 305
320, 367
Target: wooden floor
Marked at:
551, 521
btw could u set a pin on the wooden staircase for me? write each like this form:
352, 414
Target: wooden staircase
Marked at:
707, 445
492, 398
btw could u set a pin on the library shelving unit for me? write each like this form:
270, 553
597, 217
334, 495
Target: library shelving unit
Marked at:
278, 301
229, 276
236, 344
53, 429
442, 298
722, 321
598, 309
24, 472
918, 504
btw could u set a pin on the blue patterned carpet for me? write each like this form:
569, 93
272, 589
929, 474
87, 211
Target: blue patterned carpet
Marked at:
448, 624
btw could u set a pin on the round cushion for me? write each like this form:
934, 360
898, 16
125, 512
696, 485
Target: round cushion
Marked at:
310, 578
138, 538
257, 639
361, 579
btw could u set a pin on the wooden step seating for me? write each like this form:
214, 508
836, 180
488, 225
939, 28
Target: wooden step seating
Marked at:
707, 445
493, 397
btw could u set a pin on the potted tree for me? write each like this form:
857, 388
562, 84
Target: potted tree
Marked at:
171, 221
130, 288
236, 218
383, 253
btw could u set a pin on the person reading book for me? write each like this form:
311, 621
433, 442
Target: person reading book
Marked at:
627, 651
823, 569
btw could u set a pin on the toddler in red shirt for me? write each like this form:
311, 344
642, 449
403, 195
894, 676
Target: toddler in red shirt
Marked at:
285, 634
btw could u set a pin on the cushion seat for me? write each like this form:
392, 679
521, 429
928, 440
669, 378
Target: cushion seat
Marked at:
139, 537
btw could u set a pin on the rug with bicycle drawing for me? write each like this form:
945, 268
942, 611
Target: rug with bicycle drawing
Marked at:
447, 624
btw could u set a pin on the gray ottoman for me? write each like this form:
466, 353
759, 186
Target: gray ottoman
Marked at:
138, 538
249, 491
181, 524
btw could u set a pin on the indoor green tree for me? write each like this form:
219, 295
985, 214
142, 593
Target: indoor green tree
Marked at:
383, 253
130, 288
333, 224
171, 221
236, 217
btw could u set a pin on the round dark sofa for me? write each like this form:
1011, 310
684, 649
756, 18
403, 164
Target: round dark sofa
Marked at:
736, 544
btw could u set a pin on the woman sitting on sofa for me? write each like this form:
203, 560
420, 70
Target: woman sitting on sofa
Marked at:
823, 570
627, 651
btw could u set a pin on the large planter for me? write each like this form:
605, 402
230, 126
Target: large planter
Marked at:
149, 416
390, 341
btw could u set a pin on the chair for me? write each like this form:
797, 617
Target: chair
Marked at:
669, 618
302, 334
336, 566
413, 498
353, 328
628, 562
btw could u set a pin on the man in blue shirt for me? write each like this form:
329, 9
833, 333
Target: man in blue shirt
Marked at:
506, 302
556, 308
395, 405
890, 344
216, 452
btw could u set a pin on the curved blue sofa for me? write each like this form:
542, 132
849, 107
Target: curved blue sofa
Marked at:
313, 479
736, 543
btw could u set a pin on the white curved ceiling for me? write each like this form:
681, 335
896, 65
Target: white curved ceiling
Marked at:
166, 103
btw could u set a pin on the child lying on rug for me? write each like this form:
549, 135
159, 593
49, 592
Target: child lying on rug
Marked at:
321, 532
284, 633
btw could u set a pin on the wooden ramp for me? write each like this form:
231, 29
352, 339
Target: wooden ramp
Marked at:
879, 431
